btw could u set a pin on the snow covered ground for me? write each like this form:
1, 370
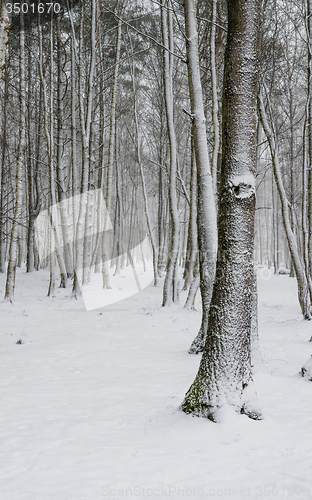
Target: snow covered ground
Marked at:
89, 402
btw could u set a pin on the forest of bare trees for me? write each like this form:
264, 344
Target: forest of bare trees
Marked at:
125, 121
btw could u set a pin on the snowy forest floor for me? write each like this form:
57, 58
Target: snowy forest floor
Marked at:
89, 402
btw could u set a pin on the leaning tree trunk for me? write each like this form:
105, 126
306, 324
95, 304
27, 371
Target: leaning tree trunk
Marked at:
206, 213
224, 377
302, 278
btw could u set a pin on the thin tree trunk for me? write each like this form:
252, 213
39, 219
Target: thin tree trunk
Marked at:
302, 280
170, 292
309, 168
189, 303
3, 243
138, 154
64, 216
83, 241
111, 154
206, 212
192, 231
32, 178
305, 201
215, 106
49, 134
4, 34
13, 252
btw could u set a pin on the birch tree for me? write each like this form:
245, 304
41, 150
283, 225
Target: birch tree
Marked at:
307, 188
224, 376
139, 160
20, 169
303, 280
111, 155
83, 255
170, 292
4, 34
206, 213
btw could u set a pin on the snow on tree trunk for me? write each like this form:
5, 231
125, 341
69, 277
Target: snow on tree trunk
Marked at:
65, 220
206, 212
192, 230
138, 155
3, 173
13, 252
302, 280
111, 156
224, 377
84, 220
308, 174
215, 106
170, 293
189, 303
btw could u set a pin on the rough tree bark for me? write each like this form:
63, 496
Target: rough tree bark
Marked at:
224, 377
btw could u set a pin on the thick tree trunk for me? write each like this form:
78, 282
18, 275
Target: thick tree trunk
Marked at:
224, 377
